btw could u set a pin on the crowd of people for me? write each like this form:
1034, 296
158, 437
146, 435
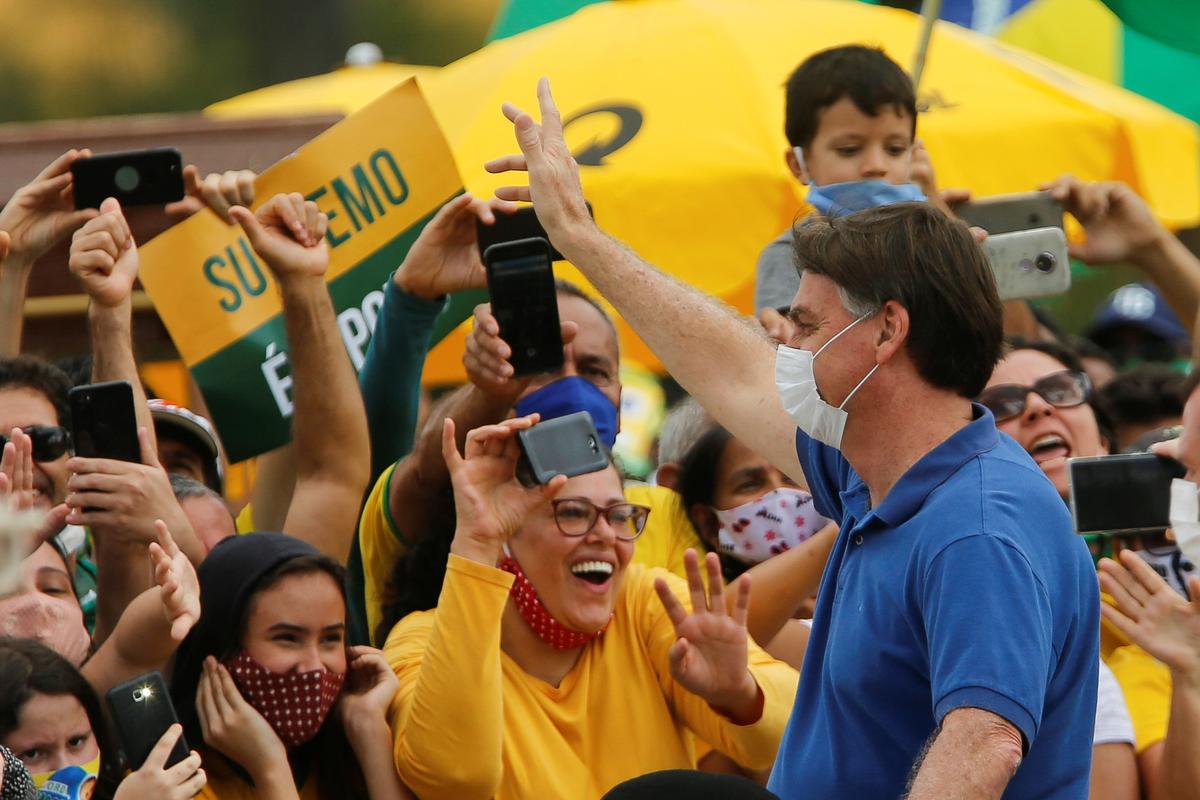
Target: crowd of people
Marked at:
854, 571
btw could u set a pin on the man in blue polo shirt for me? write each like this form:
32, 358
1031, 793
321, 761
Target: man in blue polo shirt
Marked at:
954, 651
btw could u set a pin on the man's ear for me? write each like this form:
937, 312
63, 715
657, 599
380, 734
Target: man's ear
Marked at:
668, 476
893, 332
796, 165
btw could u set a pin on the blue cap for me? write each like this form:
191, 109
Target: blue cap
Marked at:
1137, 305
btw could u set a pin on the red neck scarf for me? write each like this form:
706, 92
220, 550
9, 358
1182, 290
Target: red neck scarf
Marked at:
547, 628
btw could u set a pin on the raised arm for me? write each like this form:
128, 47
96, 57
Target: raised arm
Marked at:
716, 356
1120, 228
38, 216
329, 433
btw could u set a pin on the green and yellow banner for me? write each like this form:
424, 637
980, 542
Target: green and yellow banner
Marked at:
380, 175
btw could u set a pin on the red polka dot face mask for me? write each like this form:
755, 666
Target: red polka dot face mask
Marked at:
547, 628
294, 703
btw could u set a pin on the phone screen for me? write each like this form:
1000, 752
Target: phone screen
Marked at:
1122, 493
525, 305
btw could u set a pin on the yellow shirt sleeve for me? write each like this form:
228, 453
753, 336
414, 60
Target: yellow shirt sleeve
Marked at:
381, 546
668, 532
751, 746
1146, 684
244, 523
447, 718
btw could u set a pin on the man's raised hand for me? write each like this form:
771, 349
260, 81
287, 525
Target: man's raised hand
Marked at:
104, 256
289, 233
554, 186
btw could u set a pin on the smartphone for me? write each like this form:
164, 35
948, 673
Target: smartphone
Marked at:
104, 421
135, 177
523, 224
1122, 493
566, 445
1005, 213
520, 281
1031, 263
141, 710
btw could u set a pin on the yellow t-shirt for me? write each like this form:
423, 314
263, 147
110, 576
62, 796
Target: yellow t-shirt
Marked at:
1146, 683
668, 533
244, 521
470, 723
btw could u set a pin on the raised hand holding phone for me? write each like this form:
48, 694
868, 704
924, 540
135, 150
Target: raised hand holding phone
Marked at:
445, 257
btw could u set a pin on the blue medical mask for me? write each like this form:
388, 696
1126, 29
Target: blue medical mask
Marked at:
568, 395
840, 199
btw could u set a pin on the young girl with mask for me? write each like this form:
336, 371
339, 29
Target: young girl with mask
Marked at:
50, 718
550, 667
761, 523
266, 687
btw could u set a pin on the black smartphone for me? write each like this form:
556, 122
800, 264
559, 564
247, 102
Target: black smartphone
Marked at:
141, 710
520, 281
522, 224
566, 445
1006, 213
151, 177
1122, 493
104, 421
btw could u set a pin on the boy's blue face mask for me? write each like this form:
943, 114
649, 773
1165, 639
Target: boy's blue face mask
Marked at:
568, 395
840, 199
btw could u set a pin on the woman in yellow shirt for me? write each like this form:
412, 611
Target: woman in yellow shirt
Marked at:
552, 667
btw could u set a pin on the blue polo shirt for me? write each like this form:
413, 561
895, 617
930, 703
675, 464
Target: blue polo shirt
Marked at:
966, 587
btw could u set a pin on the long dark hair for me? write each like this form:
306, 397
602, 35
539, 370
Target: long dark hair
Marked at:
28, 668
698, 484
415, 582
235, 572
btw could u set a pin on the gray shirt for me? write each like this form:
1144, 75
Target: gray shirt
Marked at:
776, 278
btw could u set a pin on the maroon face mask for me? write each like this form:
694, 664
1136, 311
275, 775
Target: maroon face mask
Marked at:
294, 703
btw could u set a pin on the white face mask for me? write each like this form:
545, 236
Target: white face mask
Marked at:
1185, 518
797, 385
772, 524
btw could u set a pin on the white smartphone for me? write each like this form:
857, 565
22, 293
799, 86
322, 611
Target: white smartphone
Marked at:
1032, 263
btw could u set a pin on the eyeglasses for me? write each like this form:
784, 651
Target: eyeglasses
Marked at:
49, 441
576, 516
1065, 389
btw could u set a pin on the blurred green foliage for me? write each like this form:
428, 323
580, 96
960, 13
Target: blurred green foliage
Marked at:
85, 58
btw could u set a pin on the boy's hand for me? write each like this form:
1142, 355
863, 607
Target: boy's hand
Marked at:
104, 256
289, 233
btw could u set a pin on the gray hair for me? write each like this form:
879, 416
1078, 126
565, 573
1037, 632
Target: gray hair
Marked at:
858, 307
185, 489
685, 424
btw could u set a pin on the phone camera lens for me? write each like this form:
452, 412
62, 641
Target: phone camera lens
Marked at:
592, 444
1045, 262
127, 178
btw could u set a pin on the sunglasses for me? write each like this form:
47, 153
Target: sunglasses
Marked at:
50, 442
1065, 389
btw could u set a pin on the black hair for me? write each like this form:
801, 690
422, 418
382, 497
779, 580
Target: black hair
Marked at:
1143, 394
27, 668
415, 582
697, 484
29, 372
864, 74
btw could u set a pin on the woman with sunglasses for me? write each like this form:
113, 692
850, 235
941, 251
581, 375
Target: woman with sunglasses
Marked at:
550, 668
1040, 396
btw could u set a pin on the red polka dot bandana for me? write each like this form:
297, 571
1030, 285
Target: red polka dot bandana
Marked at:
547, 628
294, 703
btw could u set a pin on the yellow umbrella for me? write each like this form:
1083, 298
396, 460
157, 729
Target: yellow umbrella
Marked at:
674, 109
343, 91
